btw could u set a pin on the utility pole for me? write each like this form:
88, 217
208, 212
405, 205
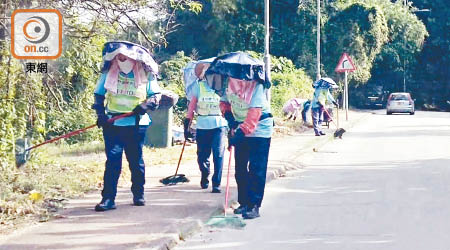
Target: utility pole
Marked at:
318, 40
405, 3
267, 45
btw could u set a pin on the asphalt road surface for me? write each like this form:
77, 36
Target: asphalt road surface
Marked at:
385, 185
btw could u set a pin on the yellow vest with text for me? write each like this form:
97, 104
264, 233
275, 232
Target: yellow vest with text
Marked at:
239, 107
127, 96
208, 101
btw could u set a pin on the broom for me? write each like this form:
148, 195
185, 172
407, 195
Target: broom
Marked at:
339, 131
23, 150
226, 220
177, 178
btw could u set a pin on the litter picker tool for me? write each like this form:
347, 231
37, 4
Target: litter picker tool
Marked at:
339, 131
226, 220
23, 150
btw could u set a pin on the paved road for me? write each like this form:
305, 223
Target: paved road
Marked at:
386, 185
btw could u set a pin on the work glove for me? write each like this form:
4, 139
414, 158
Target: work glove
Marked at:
139, 110
99, 104
236, 138
102, 120
232, 123
187, 133
152, 103
99, 107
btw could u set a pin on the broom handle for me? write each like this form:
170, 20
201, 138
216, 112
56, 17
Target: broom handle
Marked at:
324, 109
181, 155
337, 115
182, 150
227, 190
79, 131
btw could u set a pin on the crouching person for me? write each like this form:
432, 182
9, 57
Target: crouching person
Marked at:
248, 113
128, 84
292, 108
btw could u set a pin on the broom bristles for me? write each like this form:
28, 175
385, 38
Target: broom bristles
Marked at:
231, 221
174, 179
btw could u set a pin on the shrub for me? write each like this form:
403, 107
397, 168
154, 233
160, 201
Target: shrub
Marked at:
172, 79
287, 82
287, 85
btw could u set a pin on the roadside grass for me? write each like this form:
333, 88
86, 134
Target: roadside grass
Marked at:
59, 172
285, 127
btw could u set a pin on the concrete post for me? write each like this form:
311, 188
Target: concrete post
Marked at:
159, 134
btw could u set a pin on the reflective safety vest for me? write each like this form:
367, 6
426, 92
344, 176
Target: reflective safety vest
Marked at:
239, 107
208, 101
127, 96
322, 99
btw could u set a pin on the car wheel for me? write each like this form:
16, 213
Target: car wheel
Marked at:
412, 113
388, 113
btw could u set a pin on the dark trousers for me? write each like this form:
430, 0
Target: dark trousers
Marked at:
129, 139
306, 107
251, 157
317, 115
211, 140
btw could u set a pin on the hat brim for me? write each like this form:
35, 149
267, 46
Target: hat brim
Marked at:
132, 51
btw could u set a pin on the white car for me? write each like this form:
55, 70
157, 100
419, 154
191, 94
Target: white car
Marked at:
400, 103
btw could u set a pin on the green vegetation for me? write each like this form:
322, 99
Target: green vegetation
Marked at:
58, 172
288, 82
172, 74
361, 31
42, 106
390, 43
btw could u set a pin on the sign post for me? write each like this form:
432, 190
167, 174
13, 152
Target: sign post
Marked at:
346, 95
345, 65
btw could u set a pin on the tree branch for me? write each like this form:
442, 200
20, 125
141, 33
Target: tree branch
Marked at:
44, 81
140, 29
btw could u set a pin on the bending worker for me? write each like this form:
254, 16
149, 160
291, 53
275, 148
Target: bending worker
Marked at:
292, 108
321, 97
248, 113
211, 129
128, 83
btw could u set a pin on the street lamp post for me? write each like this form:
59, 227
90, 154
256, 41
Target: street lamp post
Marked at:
318, 40
267, 44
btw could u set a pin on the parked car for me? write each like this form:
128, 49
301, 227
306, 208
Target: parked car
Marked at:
400, 103
375, 97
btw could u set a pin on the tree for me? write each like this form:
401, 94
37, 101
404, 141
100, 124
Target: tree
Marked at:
44, 105
430, 76
406, 38
361, 31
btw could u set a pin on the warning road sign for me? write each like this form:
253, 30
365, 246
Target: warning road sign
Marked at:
345, 64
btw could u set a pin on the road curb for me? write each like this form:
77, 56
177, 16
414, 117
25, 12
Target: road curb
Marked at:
190, 228
184, 231
273, 173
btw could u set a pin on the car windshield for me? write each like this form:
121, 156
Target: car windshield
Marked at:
399, 97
